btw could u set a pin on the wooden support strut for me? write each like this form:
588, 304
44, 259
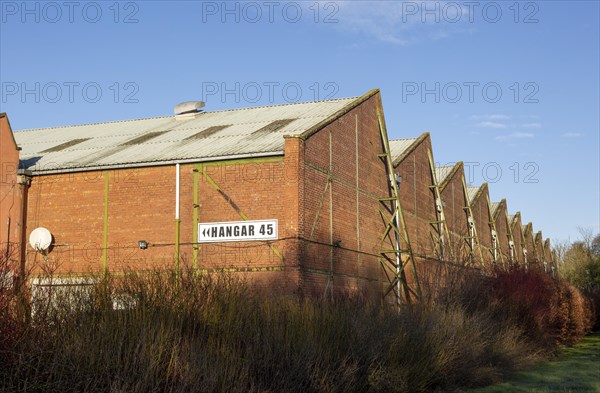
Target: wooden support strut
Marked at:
523, 249
440, 224
473, 238
392, 259
543, 258
511, 242
496, 255
235, 207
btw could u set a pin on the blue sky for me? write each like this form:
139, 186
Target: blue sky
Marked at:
510, 88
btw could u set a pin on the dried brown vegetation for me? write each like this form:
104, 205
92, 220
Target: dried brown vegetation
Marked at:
188, 332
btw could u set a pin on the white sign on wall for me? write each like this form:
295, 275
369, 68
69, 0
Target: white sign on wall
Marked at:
237, 231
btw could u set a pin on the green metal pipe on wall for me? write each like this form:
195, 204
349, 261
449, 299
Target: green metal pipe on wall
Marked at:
195, 218
105, 235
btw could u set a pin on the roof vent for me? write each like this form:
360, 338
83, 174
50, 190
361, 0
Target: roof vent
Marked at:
188, 107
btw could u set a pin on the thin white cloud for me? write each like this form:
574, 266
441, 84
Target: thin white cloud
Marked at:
491, 124
515, 135
398, 22
531, 125
381, 21
489, 117
572, 135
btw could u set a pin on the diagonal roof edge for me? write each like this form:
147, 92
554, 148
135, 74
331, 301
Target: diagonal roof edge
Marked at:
4, 115
482, 188
528, 229
319, 126
496, 212
516, 216
410, 149
451, 175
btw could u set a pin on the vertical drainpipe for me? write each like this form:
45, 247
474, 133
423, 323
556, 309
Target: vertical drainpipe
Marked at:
177, 220
195, 219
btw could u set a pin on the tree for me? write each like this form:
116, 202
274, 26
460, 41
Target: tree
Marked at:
581, 261
596, 247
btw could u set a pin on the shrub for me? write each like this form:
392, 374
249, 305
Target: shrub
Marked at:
550, 310
593, 300
580, 262
190, 332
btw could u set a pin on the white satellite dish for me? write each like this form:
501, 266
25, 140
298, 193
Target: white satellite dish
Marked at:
40, 239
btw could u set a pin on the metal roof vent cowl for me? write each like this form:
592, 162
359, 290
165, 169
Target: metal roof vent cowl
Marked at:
188, 108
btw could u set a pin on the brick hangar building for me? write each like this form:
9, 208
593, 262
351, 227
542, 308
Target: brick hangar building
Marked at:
352, 211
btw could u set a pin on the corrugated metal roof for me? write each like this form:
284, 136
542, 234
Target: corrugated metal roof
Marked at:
399, 146
472, 192
122, 143
442, 172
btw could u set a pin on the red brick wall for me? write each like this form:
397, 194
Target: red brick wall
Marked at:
532, 260
261, 190
324, 192
539, 247
482, 218
453, 197
507, 236
502, 230
548, 251
10, 193
354, 266
417, 198
517, 232
141, 206
71, 207
347, 211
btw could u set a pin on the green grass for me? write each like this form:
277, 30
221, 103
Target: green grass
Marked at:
576, 370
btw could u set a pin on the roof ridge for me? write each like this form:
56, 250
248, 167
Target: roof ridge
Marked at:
403, 139
168, 117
